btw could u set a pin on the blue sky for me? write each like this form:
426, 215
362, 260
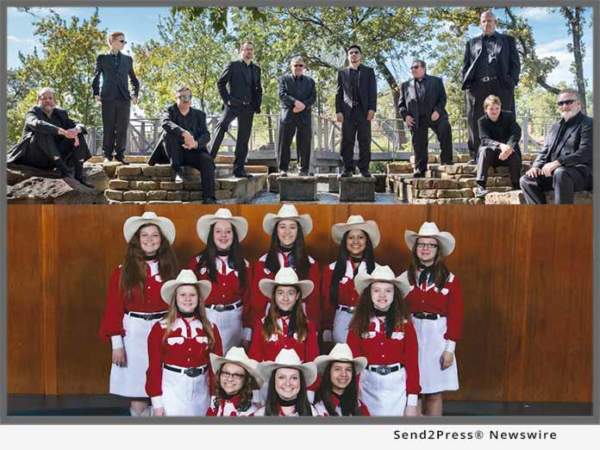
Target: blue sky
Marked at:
140, 24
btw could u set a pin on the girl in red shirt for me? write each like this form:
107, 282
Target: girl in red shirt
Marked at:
223, 264
435, 301
177, 380
357, 238
287, 229
133, 304
381, 331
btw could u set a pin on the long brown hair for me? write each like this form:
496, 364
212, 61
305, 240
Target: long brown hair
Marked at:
236, 257
438, 269
245, 392
349, 404
272, 401
133, 273
395, 316
199, 313
299, 263
298, 321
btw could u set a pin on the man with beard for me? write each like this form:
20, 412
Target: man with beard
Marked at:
184, 142
355, 106
51, 139
565, 162
241, 101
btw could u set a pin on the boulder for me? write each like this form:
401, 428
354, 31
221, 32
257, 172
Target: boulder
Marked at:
52, 191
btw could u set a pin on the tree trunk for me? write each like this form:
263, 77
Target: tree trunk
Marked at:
574, 19
395, 88
270, 126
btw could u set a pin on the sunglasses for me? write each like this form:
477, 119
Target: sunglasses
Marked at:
414, 67
353, 52
185, 97
566, 102
122, 41
298, 65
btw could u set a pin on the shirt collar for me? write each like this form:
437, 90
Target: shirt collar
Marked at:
571, 120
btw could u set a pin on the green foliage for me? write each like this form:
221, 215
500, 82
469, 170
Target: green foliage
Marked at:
65, 62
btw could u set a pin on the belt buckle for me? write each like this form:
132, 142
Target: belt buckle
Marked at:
193, 372
383, 370
485, 79
148, 317
219, 307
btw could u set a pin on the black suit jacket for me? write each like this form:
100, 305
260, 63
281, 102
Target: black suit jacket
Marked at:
575, 147
506, 131
114, 79
291, 90
36, 121
235, 76
435, 98
171, 125
367, 90
509, 64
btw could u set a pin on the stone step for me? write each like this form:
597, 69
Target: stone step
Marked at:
297, 189
357, 189
516, 197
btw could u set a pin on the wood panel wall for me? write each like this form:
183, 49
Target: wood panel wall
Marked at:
526, 273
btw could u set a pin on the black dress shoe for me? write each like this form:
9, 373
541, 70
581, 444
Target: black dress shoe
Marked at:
346, 174
366, 174
481, 191
303, 174
418, 175
121, 159
242, 174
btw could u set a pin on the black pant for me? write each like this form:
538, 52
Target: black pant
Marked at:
420, 141
565, 181
46, 151
475, 95
303, 132
488, 157
356, 125
115, 119
198, 159
245, 117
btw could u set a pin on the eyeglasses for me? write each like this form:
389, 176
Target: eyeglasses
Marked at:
566, 102
185, 98
234, 376
425, 245
298, 65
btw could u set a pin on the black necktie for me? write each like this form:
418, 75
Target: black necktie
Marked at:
424, 276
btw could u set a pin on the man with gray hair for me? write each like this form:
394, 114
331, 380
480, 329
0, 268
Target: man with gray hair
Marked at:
491, 66
297, 93
51, 139
565, 162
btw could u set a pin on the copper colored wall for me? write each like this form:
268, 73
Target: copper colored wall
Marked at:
526, 274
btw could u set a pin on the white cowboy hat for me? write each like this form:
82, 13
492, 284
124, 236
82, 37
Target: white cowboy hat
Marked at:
204, 222
288, 357
237, 355
430, 230
167, 227
287, 211
186, 276
286, 276
380, 273
356, 223
341, 353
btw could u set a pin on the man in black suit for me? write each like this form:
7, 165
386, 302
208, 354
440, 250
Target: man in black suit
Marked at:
565, 162
491, 66
115, 69
500, 134
355, 106
297, 93
51, 139
241, 100
422, 106
183, 142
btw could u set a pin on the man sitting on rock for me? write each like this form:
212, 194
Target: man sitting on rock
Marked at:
184, 143
51, 140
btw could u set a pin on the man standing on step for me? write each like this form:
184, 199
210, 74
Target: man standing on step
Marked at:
184, 143
491, 66
116, 69
422, 106
51, 139
355, 106
297, 93
241, 90
565, 162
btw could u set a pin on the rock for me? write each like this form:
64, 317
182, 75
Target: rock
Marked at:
52, 190
398, 167
113, 195
175, 196
192, 185
171, 185
134, 196
160, 170
357, 189
128, 172
156, 195
297, 189
505, 198
467, 183
144, 185
433, 183
118, 185
221, 194
110, 168
273, 184
15, 173
195, 195
450, 193
96, 176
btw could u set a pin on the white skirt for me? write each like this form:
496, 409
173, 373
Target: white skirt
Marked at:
384, 395
340, 326
430, 335
130, 380
229, 324
183, 395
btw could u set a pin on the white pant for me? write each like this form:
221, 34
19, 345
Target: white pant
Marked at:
183, 395
384, 395
130, 380
229, 324
340, 326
